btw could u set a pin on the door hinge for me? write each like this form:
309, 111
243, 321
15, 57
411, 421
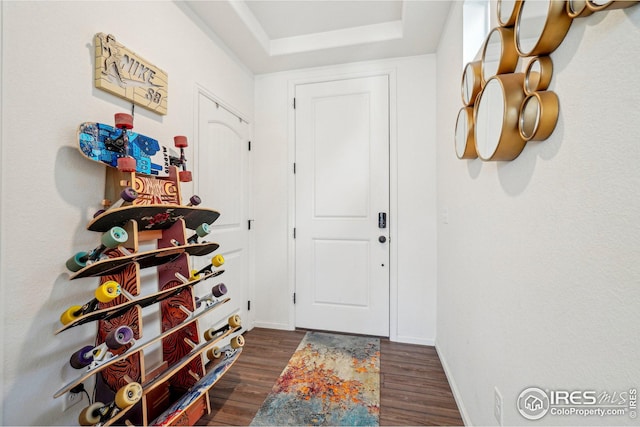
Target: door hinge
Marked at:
249, 144
294, 232
294, 168
294, 103
294, 297
249, 221
248, 305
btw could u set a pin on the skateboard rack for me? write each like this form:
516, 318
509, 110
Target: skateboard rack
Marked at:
177, 375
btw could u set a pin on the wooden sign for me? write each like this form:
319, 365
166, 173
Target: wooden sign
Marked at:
126, 74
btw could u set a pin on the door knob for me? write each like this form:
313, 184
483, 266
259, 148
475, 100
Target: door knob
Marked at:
382, 239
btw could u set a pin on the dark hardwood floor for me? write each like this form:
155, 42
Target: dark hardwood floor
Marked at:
414, 389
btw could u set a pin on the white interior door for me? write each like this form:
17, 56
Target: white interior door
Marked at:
342, 185
222, 182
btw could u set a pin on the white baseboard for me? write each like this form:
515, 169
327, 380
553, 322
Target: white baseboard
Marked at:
454, 388
271, 325
413, 340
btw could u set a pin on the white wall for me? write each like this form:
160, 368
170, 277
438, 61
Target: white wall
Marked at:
413, 268
49, 190
538, 273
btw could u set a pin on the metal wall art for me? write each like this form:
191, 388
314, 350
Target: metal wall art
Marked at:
503, 109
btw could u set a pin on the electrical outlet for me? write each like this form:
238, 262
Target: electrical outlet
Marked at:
497, 405
71, 399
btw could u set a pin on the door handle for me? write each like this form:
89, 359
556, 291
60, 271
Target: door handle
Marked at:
382, 239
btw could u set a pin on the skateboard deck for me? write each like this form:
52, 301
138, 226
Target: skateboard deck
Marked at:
146, 259
176, 413
153, 217
138, 346
155, 382
104, 144
111, 312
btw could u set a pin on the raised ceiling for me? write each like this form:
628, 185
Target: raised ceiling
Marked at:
269, 36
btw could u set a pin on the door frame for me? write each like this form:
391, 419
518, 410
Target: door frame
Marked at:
320, 76
248, 319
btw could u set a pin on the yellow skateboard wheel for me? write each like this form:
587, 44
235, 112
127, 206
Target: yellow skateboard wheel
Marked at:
214, 353
217, 260
235, 321
128, 395
209, 334
90, 415
237, 342
70, 314
194, 275
108, 291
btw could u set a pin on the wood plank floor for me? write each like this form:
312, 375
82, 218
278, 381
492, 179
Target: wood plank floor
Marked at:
414, 389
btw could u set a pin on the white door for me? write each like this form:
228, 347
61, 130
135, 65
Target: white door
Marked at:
342, 187
221, 179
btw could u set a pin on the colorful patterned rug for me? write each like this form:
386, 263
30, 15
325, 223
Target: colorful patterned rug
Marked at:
330, 380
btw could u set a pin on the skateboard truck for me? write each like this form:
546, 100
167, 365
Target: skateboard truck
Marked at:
111, 239
232, 323
212, 297
180, 142
128, 395
216, 261
124, 122
94, 356
201, 231
236, 343
127, 195
106, 292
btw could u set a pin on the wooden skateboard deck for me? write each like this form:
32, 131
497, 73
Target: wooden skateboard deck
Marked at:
146, 259
174, 347
140, 346
176, 414
154, 217
160, 379
119, 309
112, 377
104, 144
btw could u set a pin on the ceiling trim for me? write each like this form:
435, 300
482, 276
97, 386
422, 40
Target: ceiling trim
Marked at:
384, 31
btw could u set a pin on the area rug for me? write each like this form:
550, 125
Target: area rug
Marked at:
331, 379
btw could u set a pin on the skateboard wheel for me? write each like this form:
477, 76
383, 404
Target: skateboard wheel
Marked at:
203, 229
124, 121
120, 336
180, 141
195, 200
108, 291
185, 176
126, 164
129, 194
90, 415
235, 321
82, 357
194, 275
209, 334
75, 263
114, 237
237, 342
217, 260
214, 353
128, 395
219, 290
70, 314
